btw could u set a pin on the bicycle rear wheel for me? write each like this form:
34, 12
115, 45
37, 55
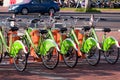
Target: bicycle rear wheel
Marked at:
93, 57
20, 61
71, 58
51, 60
112, 55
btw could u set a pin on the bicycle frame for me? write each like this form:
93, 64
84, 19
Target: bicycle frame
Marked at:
43, 46
87, 44
66, 44
14, 47
107, 42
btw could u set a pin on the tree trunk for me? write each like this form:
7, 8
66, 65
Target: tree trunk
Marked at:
87, 4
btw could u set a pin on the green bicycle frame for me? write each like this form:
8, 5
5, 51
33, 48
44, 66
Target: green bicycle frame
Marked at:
88, 43
64, 44
107, 41
44, 44
14, 47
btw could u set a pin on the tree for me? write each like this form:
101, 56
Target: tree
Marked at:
87, 4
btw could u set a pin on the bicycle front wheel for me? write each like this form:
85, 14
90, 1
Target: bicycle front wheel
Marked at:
93, 57
20, 61
112, 54
71, 58
51, 60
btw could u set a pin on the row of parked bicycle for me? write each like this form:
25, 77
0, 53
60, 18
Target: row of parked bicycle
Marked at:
52, 44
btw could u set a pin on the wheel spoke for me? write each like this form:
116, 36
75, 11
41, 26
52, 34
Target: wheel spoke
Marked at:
71, 57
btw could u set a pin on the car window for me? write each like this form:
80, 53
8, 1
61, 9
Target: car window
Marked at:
36, 1
45, 1
26, 1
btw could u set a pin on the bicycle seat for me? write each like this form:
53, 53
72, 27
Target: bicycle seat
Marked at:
65, 19
10, 19
63, 30
57, 18
106, 29
35, 20
86, 28
41, 20
14, 28
43, 31
72, 17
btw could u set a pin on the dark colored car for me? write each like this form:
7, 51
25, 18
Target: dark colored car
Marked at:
35, 6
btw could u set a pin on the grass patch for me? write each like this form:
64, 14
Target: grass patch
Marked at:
93, 10
68, 9
90, 10
79, 9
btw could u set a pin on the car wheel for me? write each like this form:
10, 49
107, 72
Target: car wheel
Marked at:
24, 11
51, 10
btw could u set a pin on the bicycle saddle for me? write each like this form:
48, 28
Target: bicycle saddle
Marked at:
57, 18
10, 19
106, 29
63, 30
14, 28
35, 20
43, 31
65, 19
86, 28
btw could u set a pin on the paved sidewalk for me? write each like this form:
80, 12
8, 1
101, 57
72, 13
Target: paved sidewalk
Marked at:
3, 9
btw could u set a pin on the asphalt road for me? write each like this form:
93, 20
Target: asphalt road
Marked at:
106, 19
83, 71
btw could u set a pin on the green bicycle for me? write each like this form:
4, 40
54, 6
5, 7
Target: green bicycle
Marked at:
68, 49
110, 46
47, 48
13, 47
89, 46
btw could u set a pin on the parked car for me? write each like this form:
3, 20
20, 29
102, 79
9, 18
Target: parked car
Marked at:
35, 6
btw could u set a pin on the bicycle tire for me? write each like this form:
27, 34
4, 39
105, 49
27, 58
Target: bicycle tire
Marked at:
47, 59
110, 57
71, 58
20, 61
93, 54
